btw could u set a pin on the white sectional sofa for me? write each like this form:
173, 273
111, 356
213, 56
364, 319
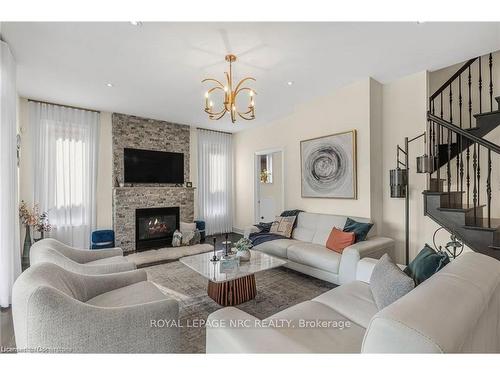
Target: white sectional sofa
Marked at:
306, 251
456, 310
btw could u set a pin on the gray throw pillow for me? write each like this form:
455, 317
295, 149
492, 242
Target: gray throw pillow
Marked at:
388, 283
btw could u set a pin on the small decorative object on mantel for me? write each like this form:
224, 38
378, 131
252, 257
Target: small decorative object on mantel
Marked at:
189, 184
32, 218
328, 166
243, 249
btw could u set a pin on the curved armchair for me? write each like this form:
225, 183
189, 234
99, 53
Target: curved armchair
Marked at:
60, 311
89, 262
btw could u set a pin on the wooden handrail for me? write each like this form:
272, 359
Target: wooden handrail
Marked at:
452, 78
448, 125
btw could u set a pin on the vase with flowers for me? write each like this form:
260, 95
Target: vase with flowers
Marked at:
32, 218
243, 249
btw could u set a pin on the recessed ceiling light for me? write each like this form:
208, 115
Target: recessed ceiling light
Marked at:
289, 83
109, 84
136, 23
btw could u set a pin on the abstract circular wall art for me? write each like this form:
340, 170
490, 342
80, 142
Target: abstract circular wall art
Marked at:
328, 166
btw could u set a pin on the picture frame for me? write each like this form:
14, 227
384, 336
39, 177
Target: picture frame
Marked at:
329, 166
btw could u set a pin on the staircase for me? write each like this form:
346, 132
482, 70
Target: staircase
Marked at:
459, 195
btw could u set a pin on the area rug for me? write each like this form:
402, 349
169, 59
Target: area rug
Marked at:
277, 289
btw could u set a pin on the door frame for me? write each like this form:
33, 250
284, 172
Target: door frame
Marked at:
256, 190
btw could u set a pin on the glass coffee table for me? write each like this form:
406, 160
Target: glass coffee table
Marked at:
231, 284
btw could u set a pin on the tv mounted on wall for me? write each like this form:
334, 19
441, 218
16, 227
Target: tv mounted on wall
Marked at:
146, 166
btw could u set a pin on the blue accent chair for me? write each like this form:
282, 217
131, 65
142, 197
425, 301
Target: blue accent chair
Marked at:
102, 239
200, 225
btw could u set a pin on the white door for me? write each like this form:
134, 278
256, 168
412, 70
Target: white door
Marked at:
267, 209
269, 193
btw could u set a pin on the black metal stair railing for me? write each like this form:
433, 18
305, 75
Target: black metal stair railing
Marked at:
455, 138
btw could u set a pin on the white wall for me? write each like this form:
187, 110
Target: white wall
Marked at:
345, 109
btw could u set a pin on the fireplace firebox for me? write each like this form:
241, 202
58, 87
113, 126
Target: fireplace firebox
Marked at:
154, 227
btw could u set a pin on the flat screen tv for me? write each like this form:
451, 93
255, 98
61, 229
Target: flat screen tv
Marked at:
145, 166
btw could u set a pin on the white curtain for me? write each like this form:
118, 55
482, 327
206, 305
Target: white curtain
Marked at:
65, 144
215, 180
10, 252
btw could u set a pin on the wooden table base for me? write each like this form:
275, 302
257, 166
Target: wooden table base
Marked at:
233, 292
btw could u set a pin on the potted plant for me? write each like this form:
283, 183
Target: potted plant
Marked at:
243, 247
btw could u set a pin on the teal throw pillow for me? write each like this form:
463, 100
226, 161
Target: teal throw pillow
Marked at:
426, 263
360, 229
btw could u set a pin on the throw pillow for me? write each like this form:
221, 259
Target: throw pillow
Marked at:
176, 239
339, 240
426, 263
283, 226
196, 238
361, 229
264, 227
186, 227
187, 237
388, 283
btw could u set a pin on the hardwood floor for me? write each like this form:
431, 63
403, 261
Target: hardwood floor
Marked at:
6, 330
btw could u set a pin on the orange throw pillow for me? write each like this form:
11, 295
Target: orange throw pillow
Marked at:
339, 240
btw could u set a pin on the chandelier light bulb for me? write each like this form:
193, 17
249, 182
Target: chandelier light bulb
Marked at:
206, 95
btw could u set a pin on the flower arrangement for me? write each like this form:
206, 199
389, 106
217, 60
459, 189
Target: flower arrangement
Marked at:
34, 218
27, 216
42, 225
243, 244
264, 176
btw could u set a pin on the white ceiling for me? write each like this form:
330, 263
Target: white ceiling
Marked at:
157, 69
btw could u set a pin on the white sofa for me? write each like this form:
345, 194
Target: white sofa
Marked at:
306, 251
455, 311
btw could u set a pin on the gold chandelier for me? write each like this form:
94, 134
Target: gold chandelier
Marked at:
230, 94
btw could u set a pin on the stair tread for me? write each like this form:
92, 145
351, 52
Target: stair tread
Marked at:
497, 112
464, 207
482, 224
430, 192
472, 129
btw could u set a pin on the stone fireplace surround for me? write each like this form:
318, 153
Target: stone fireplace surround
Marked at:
147, 134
